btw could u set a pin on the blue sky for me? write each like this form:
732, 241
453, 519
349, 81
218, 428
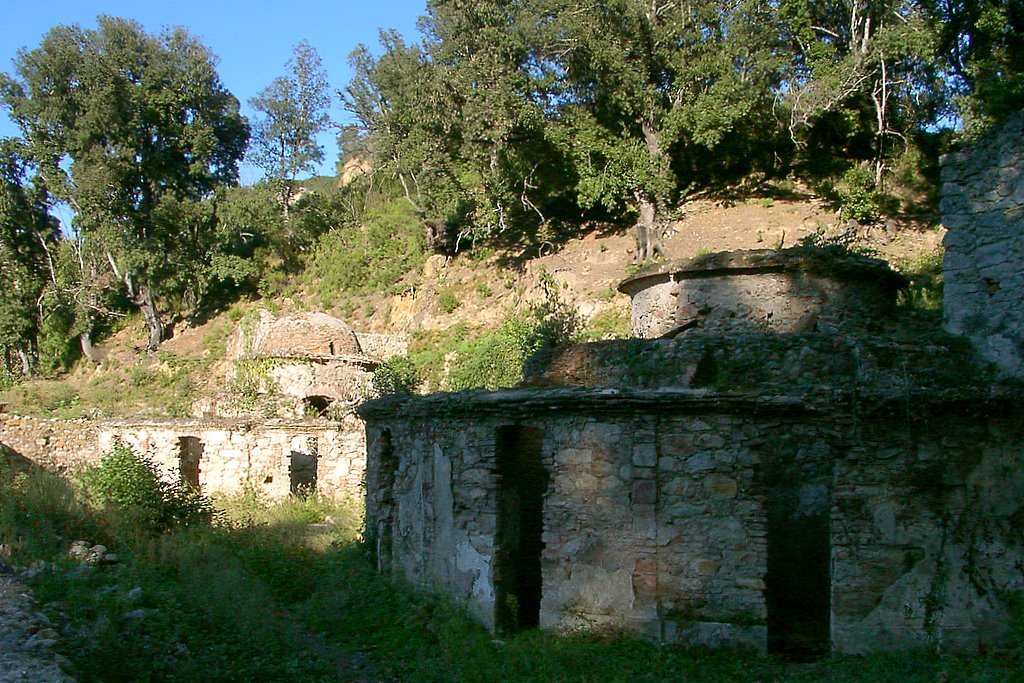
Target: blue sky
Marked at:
253, 38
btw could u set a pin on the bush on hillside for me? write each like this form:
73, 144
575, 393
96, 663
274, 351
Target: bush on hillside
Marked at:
371, 257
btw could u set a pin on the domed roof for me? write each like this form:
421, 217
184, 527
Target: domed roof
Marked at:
303, 335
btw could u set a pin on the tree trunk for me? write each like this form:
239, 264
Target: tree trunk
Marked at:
648, 241
88, 350
144, 300
26, 362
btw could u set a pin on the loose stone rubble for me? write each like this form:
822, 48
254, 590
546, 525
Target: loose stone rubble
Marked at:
26, 639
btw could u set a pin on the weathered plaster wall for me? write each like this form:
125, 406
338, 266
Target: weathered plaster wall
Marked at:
983, 210
656, 516
234, 453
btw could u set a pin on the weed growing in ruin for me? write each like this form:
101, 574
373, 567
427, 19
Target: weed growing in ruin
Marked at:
924, 293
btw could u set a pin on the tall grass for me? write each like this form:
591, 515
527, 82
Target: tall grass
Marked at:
284, 591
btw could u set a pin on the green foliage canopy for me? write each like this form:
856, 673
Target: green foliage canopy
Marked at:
124, 126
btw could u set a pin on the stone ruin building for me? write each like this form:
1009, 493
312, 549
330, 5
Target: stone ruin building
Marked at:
301, 365
305, 371
308, 369
775, 463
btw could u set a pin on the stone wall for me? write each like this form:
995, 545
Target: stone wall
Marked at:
761, 291
983, 210
55, 444
274, 456
709, 519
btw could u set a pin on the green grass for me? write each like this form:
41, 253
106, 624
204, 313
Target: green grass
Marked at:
924, 292
164, 386
262, 596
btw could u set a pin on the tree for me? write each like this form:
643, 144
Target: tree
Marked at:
27, 234
294, 112
460, 120
982, 42
121, 126
647, 85
869, 61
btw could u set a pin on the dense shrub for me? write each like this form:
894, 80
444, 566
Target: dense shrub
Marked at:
858, 198
397, 375
130, 484
371, 257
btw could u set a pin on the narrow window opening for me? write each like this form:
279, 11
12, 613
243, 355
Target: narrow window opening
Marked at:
302, 468
522, 483
190, 454
798, 581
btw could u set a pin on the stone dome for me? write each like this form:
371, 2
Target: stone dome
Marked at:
301, 335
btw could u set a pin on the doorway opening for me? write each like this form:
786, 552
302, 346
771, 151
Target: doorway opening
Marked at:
522, 483
302, 466
317, 405
798, 582
190, 454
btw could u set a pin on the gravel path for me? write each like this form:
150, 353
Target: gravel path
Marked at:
26, 638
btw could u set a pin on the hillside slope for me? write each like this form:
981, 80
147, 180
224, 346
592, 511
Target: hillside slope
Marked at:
474, 291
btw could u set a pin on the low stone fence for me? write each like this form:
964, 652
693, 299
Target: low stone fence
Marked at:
55, 444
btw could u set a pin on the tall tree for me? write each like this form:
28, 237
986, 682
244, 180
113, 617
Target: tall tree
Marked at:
121, 124
983, 44
868, 59
649, 84
293, 112
27, 235
460, 120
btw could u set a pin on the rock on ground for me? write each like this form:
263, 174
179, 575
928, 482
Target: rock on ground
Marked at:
26, 639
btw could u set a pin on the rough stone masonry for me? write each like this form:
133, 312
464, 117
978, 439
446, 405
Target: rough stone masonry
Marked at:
983, 268
827, 482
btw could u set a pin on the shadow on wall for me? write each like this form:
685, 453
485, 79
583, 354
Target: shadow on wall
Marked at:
522, 485
189, 461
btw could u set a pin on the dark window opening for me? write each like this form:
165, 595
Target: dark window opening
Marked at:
302, 469
317, 405
798, 581
522, 483
387, 503
706, 372
190, 454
